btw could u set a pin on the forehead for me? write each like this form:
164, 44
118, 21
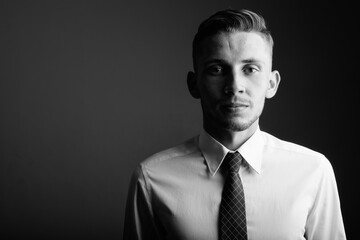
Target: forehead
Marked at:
235, 45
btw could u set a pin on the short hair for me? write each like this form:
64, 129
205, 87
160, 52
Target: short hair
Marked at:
230, 20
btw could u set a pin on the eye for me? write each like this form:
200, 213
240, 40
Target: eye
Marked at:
215, 70
250, 69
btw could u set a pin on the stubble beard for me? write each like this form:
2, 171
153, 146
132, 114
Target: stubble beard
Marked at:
228, 122
238, 123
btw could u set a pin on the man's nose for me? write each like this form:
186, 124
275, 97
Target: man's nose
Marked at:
235, 83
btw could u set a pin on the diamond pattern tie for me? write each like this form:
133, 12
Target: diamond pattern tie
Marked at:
232, 215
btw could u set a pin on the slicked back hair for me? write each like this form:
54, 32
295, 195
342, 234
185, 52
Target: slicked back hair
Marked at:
229, 21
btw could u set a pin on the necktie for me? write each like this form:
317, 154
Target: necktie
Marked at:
232, 215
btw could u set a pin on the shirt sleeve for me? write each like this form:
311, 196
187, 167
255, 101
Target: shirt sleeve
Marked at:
325, 219
139, 219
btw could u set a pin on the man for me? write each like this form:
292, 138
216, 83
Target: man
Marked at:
280, 190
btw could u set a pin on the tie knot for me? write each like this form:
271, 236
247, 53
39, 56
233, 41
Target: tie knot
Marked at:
233, 161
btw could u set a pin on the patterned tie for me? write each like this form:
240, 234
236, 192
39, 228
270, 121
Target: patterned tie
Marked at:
232, 215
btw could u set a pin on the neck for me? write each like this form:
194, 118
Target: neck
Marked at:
231, 139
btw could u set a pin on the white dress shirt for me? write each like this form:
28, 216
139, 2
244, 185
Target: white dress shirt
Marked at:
290, 192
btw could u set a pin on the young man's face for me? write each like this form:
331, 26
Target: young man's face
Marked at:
233, 77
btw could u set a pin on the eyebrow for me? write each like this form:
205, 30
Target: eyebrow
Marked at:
248, 60
251, 60
214, 61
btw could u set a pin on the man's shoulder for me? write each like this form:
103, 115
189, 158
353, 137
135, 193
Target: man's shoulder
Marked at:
291, 148
181, 150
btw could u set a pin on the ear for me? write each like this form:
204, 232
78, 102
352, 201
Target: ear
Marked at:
192, 85
273, 84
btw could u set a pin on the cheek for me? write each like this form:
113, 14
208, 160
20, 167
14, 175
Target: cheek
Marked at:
259, 100
257, 93
211, 90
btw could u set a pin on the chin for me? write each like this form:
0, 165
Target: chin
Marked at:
236, 126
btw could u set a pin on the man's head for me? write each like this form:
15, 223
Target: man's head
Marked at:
230, 21
232, 54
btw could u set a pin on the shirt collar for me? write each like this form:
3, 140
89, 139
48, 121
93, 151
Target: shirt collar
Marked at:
214, 152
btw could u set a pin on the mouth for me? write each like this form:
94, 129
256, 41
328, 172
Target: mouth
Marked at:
234, 107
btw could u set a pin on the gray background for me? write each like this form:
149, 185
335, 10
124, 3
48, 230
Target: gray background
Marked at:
88, 89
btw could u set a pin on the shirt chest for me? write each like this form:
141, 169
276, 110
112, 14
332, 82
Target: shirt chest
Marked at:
276, 207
